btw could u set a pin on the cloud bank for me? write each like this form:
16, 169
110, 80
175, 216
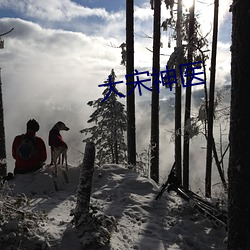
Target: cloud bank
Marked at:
60, 52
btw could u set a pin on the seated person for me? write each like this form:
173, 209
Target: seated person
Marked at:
28, 150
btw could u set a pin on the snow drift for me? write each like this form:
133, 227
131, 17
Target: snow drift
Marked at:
141, 222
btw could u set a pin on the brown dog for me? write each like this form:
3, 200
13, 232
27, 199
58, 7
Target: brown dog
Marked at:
58, 146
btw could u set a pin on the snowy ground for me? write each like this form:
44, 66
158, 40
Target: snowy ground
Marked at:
141, 221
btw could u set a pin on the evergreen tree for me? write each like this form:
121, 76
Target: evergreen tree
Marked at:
110, 120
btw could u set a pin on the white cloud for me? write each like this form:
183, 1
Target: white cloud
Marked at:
53, 10
143, 13
56, 59
51, 73
46, 71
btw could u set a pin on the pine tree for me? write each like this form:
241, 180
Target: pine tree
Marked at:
110, 120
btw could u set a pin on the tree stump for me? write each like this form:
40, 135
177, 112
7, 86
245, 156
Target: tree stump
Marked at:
92, 228
84, 187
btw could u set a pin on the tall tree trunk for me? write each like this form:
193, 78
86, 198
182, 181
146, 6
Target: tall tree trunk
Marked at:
154, 169
188, 102
178, 99
131, 130
211, 103
239, 159
3, 162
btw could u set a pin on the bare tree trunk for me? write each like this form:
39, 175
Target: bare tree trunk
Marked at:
239, 159
188, 102
3, 162
131, 130
178, 100
216, 158
81, 215
211, 103
93, 231
154, 168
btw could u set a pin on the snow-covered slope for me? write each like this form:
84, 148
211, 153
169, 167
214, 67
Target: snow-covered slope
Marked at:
141, 221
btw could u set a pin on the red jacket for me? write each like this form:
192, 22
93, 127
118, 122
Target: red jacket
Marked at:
37, 159
55, 139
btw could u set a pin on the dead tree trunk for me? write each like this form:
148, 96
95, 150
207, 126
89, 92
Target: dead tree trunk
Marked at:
209, 159
3, 162
93, 231
81, 215
216, 158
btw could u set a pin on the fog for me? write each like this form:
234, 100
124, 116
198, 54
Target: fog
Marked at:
50, 72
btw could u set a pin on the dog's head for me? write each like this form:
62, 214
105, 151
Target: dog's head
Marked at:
61, 126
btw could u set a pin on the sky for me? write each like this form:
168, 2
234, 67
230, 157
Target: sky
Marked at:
61, 50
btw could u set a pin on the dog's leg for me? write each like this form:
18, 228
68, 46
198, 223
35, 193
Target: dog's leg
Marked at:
59, 159
55, 158
56, 170
66, 161
51, 156
63, 157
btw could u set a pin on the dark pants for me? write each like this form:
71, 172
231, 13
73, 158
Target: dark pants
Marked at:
25, 171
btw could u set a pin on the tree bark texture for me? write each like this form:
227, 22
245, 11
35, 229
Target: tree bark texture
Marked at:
83, 193
3, 162
178, 157
188, 102
239, 160
154, 169
210, 119
131, 130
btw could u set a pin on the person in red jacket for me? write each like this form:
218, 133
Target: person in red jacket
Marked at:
29, 150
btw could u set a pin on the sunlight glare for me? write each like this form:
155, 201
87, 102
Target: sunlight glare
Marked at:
187, 3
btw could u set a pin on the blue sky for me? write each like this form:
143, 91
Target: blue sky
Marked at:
109, 5
61, 50
56, 13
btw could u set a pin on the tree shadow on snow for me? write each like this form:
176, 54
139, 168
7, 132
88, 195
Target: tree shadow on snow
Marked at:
178, 227
167, 223
124, 190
